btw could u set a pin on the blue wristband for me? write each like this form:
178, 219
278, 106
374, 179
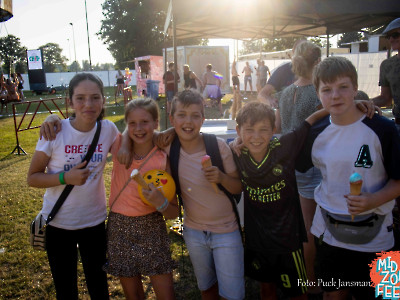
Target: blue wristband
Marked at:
164, 206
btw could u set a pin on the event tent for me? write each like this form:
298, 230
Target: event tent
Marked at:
255, 19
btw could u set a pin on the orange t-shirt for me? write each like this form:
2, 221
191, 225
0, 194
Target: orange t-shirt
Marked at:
129, 202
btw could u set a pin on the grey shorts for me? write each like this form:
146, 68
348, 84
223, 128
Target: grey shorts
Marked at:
308, 181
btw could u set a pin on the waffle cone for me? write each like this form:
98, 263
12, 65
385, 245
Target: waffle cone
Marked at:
140, 181
355, 187
207, 163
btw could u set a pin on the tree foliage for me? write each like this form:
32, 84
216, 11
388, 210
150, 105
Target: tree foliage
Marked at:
53, 60
12, 54
134, 28
349, 37
268, 45
103, 67
74, 67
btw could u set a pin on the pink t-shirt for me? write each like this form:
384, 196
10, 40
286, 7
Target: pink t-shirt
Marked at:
129, 202
204, 208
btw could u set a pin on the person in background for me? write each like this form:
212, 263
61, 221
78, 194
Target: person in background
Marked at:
120, 84
247, 76
191, 78
169, 81
212, 87
20, 86
263, 71
281, 77
389, 75
237, 98
12, 90
3, 94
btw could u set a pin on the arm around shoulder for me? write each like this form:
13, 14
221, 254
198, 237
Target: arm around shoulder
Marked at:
385, 98
316, 116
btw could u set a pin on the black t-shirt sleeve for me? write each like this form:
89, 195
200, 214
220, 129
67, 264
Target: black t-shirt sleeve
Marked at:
294, 140
389, 138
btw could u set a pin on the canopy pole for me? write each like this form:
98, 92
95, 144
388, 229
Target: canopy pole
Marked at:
175, 51
165, 82
327, 42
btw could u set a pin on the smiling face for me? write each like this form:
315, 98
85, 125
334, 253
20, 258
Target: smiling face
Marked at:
141, 126
338, 99
256, 137
87, 101
187, 121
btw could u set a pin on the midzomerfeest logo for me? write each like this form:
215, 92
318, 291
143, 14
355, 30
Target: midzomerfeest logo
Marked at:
385, 275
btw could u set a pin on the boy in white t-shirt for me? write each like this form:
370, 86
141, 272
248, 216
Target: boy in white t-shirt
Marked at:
339, 145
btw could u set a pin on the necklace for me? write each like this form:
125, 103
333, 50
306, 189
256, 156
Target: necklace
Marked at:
139, 157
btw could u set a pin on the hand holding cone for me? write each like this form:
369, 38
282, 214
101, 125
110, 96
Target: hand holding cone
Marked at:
135, 175
206, 162
355, 186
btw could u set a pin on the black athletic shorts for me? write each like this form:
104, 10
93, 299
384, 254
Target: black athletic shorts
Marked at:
235, 80
286, 270
338, 268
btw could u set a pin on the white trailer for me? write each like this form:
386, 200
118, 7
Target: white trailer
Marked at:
197, 57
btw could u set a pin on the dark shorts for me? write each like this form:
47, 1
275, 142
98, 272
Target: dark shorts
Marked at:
334, 264
120, 81
286, 270
235, 80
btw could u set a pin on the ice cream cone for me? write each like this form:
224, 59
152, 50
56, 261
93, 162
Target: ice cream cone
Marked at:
206, 162
355, 186
135, 175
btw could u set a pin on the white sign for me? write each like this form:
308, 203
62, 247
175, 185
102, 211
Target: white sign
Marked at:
34, 59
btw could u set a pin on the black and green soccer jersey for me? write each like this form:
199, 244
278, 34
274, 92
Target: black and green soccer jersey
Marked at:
272, 215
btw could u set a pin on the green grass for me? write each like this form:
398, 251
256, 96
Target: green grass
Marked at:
24, 272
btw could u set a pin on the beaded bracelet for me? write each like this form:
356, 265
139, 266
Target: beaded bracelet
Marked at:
61, 178
164, 206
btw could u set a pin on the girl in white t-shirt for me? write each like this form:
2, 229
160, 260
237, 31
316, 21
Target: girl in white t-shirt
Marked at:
79, 224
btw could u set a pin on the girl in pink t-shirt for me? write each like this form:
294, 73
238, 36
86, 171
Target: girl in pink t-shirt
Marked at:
138, 243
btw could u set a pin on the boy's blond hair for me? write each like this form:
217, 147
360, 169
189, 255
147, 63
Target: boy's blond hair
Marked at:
186, 98
254, 112
332, 68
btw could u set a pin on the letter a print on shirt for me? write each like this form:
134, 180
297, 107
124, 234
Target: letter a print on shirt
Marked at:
364, 158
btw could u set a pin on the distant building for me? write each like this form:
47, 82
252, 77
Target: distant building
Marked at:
375, 43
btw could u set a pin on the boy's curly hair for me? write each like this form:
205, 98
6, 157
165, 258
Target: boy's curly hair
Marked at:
254, 112
186, 98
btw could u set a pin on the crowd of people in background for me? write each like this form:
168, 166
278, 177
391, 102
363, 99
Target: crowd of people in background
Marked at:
11, 90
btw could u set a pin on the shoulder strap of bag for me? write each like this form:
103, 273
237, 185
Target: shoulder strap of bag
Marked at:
69, 187
174, 154
212, 149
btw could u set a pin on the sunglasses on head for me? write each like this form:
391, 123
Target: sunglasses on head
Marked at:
394, 35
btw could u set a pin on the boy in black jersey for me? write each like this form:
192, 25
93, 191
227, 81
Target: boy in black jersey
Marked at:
274, 227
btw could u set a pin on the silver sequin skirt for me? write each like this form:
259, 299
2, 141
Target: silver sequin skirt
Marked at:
138, 245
